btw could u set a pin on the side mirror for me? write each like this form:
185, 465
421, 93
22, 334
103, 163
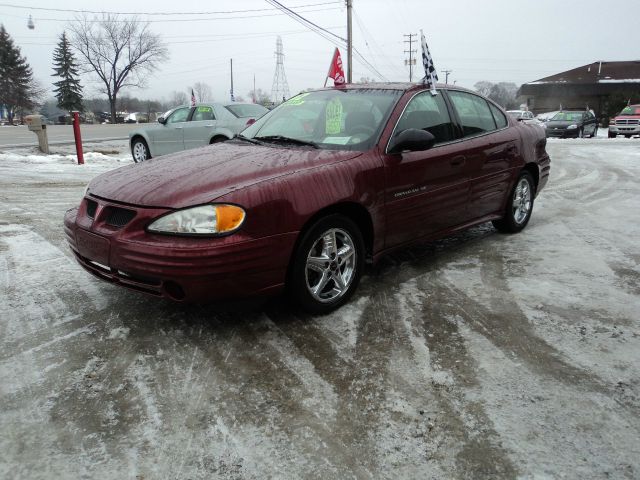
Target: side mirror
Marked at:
162, 120
411, 140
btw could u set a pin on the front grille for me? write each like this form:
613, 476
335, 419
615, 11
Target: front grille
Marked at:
627, 122
91, 208
119, 217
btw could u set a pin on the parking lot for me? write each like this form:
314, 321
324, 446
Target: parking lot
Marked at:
479, 356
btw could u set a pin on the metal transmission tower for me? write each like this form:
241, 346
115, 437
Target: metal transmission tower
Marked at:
280, 88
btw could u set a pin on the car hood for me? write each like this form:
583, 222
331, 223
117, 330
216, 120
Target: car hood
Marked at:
199, 176
627, 117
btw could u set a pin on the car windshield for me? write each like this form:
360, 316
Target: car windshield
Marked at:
630, 111
516, 113
247, 110
338, 119
567, 117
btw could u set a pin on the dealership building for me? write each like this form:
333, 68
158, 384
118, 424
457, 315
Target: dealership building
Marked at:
598, 86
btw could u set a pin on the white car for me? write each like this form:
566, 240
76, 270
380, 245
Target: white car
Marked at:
525, 116
188, 127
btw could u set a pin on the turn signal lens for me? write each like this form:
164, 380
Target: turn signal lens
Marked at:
229, 217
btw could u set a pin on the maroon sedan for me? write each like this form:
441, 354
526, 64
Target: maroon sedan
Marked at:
303, 198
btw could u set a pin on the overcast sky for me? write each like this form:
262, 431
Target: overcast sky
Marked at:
495, 40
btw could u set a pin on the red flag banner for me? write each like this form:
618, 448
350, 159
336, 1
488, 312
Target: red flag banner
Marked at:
336, 71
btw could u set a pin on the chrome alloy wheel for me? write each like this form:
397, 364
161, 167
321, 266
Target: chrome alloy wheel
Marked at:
140, 153
331, 265
522, 201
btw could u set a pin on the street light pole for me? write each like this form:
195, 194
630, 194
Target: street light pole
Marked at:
349, 41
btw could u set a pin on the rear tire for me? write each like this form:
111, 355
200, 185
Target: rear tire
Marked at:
140, 150
327, 264
218, 140
519, 205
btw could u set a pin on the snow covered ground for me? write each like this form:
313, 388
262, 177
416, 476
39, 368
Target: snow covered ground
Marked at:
479, 356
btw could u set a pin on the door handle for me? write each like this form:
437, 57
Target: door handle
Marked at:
209, 125
179, 128
457, 161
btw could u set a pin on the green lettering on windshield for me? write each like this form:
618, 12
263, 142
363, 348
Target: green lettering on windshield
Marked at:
297, 100
333, 117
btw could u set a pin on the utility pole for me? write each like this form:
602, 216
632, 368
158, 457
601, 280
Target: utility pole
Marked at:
446, 76
349, 41
411, 61
231, 91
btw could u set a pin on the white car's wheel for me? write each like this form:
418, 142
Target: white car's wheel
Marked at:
140, 150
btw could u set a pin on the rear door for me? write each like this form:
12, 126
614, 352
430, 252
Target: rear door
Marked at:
492, 153
198, 131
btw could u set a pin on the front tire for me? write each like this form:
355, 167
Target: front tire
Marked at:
140, 150
519, 206
327, 265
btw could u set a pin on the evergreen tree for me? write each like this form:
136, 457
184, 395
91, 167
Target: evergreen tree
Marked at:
68, 90
17, 88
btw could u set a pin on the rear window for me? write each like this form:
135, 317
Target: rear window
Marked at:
247, 111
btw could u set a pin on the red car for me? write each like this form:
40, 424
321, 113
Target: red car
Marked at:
306, 196
626, 123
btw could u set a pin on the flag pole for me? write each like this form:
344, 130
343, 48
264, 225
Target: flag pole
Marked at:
333, 59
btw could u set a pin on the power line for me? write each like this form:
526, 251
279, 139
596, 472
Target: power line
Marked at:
301, 19
173, 20
69, 10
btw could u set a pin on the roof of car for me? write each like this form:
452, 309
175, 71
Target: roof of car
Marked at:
393, 86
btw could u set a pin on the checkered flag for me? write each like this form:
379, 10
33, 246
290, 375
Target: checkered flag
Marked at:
430, 74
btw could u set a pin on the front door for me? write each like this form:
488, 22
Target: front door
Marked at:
426, 192
170, 138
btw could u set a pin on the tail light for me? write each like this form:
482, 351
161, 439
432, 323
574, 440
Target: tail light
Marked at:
251, 121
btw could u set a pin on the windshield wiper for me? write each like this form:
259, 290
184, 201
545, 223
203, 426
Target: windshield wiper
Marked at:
247, 139
283, 139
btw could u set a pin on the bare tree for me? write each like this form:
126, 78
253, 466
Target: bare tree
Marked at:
121, 51
483, 87
260, 96
177, 98
202, 91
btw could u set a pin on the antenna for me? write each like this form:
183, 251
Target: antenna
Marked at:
280, 88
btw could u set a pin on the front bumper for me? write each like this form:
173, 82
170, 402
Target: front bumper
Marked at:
186, 269
562, 132
624, 129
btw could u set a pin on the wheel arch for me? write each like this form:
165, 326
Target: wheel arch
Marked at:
140, 136
353, 211
218, 137
534, 170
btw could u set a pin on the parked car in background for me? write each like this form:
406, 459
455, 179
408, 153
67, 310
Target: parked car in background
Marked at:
545, 116
187, 127
626, 123
303, 198
572, 124
525, 116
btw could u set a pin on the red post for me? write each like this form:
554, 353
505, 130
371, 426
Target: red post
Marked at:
76, 134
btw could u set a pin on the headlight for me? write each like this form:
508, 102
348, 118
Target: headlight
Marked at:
572, 126
204, 220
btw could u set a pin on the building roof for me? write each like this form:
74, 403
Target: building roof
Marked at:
596, 72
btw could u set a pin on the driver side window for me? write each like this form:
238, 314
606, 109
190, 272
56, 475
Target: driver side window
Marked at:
180, 115
427, 112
